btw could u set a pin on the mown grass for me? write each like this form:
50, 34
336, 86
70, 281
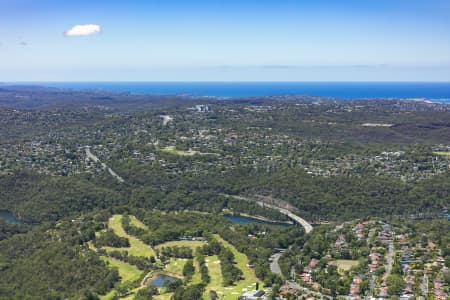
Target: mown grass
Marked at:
191, 244
127, 272
346, 264
440, 153
215, 273
135, 222
174, 151
132, 294
137, 247
108, 296
167, 296
232, 292
197, 278
176, 265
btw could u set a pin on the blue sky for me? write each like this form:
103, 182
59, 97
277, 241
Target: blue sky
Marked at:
232, 40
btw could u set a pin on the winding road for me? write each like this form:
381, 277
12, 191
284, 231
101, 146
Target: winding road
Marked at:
308, 227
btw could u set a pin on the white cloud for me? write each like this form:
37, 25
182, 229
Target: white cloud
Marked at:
83, 30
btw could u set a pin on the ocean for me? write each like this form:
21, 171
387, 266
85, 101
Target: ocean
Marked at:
434, 91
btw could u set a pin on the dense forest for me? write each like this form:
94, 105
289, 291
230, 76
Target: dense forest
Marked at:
53, 263
38, 198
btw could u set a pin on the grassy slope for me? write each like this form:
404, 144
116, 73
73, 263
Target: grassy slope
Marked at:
197, 276
108, 296
215, 273
167, 296
137, 223
137, 247
232, 292
176, 265
191, 244
127, 272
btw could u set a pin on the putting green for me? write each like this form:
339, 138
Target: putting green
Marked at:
176, 265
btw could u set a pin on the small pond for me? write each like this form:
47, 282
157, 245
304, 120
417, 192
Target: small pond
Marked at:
8, 217
160, 279
247, 220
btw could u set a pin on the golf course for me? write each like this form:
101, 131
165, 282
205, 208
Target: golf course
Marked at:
134, 277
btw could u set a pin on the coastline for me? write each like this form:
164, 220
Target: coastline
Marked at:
435, 92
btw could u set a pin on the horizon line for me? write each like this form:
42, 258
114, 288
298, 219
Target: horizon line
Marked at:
220, 81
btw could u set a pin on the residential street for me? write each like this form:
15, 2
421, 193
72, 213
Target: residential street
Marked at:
95, 159
296, 286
